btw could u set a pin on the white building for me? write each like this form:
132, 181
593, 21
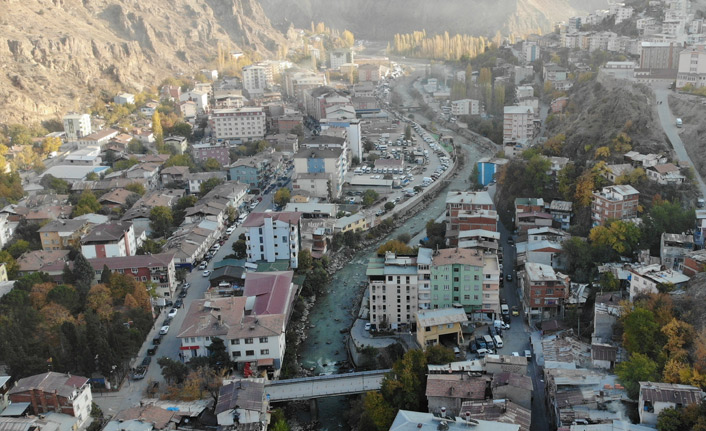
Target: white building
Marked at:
518, 123
623, 13
692, 67
254, 80
114, 239
241, 123
273, 236
321, 170
651, 279
198, 97
197, 178
465, 107
524, 91
124, 98
77, 126
339, 57
5, 231
530, 51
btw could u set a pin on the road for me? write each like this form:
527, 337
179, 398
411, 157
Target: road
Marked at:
668, 122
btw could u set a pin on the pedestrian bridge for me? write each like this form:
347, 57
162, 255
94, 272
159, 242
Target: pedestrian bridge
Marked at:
308, 388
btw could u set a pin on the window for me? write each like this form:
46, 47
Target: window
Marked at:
236, 354
249, 353
248, 341
264, 339
265, 351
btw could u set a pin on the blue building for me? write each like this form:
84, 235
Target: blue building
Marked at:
487, 168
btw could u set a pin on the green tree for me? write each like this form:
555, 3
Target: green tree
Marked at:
439, 355
240, 248
639, 368
282, 197
640, 331
11, 187
92, 176
381, 413
369, 197
161, 221
66, 296
179, 209
173, 371
135, 146
404, 386
536, 173
82, 275
136, 188
305, 260
408, 133
60, 186
87, 204
209, 185
180, 160
125, 164
670, 419
211, 164
151, 246
389, 206
18, 248
665, 216
218, 356
620, 236
105, 275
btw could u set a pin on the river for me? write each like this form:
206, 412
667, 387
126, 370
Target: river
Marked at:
333, 312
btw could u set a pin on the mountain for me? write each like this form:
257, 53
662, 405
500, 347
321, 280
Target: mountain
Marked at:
56, 55
381, 19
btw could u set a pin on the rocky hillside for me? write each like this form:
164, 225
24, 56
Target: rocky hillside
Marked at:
380, 20
55, 55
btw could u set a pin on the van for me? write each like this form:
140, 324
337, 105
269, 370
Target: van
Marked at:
457, 352
498, 341
358, 171
367, 169
504, 309
242, 218
679, 122
488, 340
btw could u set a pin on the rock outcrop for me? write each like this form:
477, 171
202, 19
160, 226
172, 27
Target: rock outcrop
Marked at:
56, 55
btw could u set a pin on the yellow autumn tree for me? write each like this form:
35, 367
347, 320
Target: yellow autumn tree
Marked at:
348, 38
603, 152
679, 334
38, 294
130, 301
100, 301
584, 189
55, 315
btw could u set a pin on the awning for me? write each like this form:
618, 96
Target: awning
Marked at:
265, 362
189, 348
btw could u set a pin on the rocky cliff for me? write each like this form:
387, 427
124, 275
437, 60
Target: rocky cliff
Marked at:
55, 55
381, 19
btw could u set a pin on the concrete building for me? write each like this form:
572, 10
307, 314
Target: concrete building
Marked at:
88, 156
296, 82
544, 291
317, 101
393, 281
339, 57
124, 99
62, 234
197, 96
77, 126
273, 236
440, 326
407, 420
488, 167
109, 240
243, 403
659, 55
465, 107
254, 170
450, 391
6, 230
158, 269
254, 80
530, 51
211, 150
179, 143
653, 279
320, 171
673, 248
197, 178
468, 211
467, 279
657, 396
561, 212
518, 123
617, 202
665, 174
692, 67
245, 124
352, 127
694, 263
55, 392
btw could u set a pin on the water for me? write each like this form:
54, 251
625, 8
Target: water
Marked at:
325, 347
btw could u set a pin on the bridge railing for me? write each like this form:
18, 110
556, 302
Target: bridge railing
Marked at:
326, 377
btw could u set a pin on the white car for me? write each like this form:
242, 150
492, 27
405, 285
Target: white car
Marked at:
515, 354
368, 326
164, 329
172, 312
206, 273
230, 230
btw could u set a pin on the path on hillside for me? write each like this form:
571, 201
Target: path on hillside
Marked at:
668, 122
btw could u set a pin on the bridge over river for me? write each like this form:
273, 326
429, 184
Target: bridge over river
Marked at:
310, 388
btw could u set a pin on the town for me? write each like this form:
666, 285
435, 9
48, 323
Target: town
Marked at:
439, 232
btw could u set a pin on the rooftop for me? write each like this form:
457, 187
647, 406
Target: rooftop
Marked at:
670, 393
416, 421
157, 416
64, 385
272, 291
456, 386
475, 198
441, 316
101, 233
459, 256
246, 394
63, 225
540, 272
258, 219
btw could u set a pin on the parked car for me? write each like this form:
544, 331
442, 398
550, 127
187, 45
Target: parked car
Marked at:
182, 294
186, 286
139, 373
147, 361
230, 230
528, 355
368, 326
172, 312
152, 351
179, 303
164, 329
515, 311
206, 273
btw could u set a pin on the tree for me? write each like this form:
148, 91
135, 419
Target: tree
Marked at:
536, 173
620, 236
639, 331
677, 334
218, 354
157, 125
179, 209
404, 237
87, 204
670, 419
369, 197
135, 146
408, 133
379, 410
305, 260
211, 164
82, 275
584, 189
51, 144
11, 187
100, 301
161, 221
282, 197
18, 248
639, 368
180, 160
105, 275
172, 371
60, 186
240, 248
439, 355
347, 38
389, 206
209, 185
397, 247
403, 387
151, 246
136, 188
66, 296
92, 176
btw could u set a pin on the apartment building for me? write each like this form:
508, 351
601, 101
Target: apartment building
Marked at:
468, 211
518, 123
239, 123
62, 234
673, 249
653, 279
465, 107
659, 55
544, 291
321, 171
211, 150
254, 80
339, 57
109, 240
158, 269
393, 281
468, 279
692, 67
614, 202
296, 82
55, 392
530, 51
273, 236
77, 126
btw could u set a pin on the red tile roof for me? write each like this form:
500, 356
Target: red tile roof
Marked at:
272, 291
258, 219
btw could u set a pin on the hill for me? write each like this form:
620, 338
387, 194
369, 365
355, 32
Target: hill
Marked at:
380, 20
57, 54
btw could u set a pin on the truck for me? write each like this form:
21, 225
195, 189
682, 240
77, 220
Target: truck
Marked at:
679, 122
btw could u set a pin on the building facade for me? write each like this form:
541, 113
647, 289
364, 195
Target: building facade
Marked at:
158, 269
77, 126
114, 239
619, 202
518, 123
544, 292
217, 151
55, 392
273, 236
